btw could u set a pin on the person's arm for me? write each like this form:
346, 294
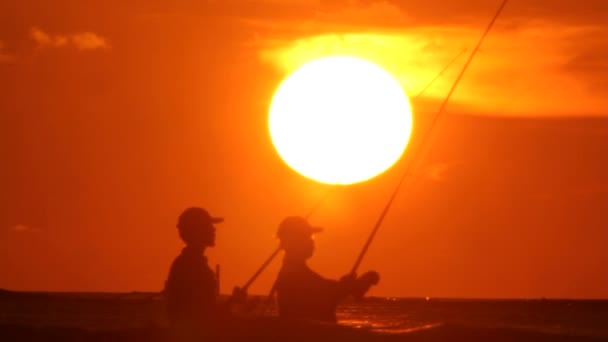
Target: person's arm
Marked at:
346, 286
357, 287
364, 283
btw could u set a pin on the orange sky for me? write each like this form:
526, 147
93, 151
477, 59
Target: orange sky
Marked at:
114, 117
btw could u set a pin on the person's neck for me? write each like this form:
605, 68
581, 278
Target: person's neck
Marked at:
291, 260
196, 249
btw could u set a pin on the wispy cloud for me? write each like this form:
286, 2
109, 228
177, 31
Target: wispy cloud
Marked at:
89, 41
23, 228
81, 41
349, 18
527, 66
44, 39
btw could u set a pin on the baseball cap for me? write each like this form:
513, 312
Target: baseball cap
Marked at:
196, 215
296, 226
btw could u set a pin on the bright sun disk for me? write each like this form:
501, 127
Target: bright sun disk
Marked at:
340, 120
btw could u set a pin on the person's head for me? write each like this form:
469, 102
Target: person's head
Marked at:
196, 227
295, 235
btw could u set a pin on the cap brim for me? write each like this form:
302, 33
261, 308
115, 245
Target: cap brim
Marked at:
316, 230
217, 219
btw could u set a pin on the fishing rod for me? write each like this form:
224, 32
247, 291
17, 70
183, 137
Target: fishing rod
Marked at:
322, 199
428, 85
425, 139
318, 204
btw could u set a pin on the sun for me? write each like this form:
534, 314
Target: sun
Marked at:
340, 120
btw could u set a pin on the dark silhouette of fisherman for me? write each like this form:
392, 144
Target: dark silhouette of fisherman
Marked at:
303, 294
191, 289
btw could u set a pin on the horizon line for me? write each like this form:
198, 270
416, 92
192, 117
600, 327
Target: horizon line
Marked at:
422, 298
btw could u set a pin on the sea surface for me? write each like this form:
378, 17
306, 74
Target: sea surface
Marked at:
105, 311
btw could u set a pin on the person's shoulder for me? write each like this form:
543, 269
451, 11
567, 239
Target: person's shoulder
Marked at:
296, 271
178, 259
181, 261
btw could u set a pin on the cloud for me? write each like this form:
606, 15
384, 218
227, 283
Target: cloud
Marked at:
43, 39
338, 19
5, 57
22, 228
534, 67
89, 41
81, 41
376, 14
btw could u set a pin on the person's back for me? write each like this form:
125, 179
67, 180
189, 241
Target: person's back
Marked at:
191, 287
302, 293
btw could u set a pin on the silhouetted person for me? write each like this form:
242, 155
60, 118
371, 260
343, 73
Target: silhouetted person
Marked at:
191, 288
302, 293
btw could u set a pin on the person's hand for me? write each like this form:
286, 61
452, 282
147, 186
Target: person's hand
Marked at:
364, 282
370, 277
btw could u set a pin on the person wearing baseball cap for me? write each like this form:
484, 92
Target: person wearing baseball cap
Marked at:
303, 293
191, 287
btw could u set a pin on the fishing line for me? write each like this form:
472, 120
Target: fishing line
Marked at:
425, 139
322, 199
334, 186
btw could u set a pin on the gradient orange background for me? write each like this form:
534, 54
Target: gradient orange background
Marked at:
114, 118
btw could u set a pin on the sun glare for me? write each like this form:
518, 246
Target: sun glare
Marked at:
340, 120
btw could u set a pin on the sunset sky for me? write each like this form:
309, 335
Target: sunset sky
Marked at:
115, 117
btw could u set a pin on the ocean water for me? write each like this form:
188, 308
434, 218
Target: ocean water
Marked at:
136, 310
